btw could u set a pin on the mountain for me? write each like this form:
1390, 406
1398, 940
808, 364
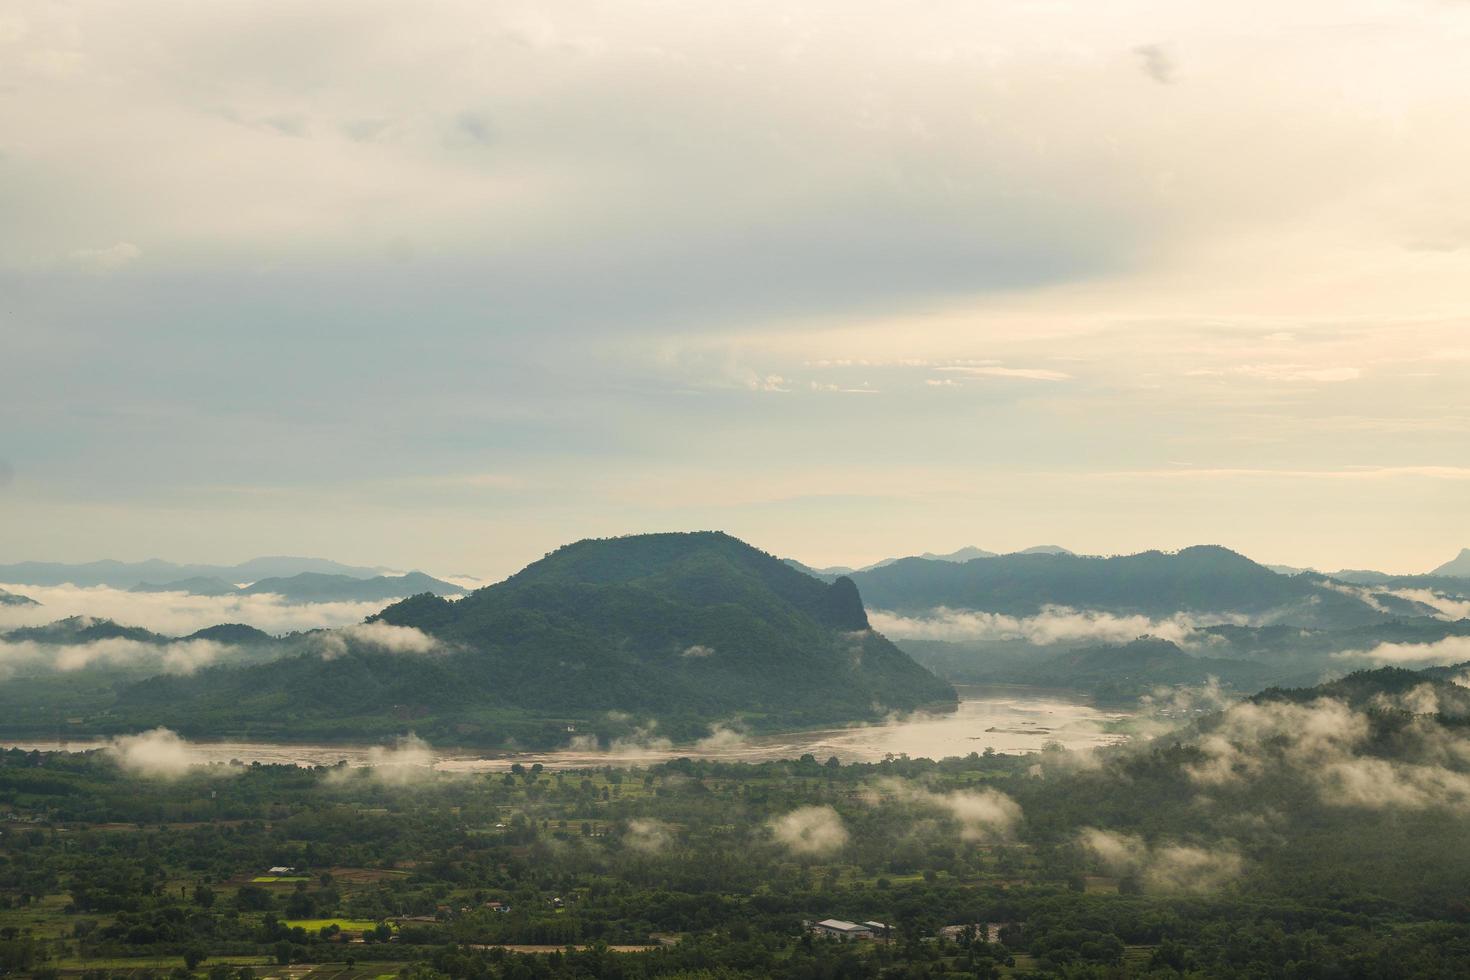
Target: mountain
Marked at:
1113, 671
1130, 669
198, 585
125, 575
1372, 688
1200, 580
825, 574
611, 637
82, 629
967, 553
12, 599
1459, 567
1444, 585
315, 587
234, 633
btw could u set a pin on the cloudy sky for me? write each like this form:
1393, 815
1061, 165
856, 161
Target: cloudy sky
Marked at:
447, 284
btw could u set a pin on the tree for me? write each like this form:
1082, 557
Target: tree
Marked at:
193, 956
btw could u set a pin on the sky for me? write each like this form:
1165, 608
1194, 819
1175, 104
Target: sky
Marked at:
446, 285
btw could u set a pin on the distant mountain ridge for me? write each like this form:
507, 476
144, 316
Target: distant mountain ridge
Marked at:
1205, 579
13, 599
967, 553
1457, 567
126, 575
316, 587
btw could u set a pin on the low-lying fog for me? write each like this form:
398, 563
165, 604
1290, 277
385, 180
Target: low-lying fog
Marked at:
178, 613
1009, 720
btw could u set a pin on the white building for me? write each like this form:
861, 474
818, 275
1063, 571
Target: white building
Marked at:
842, 929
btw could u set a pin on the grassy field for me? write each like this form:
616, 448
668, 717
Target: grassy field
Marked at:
276, 879
43, 918
346, 925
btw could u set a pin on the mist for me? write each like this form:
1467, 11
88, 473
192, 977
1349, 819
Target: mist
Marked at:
1053, 626
1169, 868
810, 831
156, 754
182, 657
179, 614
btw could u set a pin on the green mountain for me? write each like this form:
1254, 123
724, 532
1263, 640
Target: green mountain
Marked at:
1200, 580
1376, 689
82, 629
604, 636
12, 599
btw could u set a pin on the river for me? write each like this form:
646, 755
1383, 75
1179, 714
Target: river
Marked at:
1011, 720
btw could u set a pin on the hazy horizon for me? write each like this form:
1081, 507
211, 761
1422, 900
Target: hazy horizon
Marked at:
469, 577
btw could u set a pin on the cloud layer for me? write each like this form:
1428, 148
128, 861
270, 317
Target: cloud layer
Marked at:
1054, 625
173, 658
1329, 747
178, 614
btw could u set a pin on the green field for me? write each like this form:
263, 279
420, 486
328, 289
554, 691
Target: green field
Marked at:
346, 925
273, 879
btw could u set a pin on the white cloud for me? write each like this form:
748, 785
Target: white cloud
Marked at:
1284, 372
983, 815
378, 636
409, 760
1327, 745
1027, 374
1446, 652
810, 831
1166, 868
1449, 607
178, 614
810, 181
173, 658
1052, 626
648, 836
721, 738
156, 754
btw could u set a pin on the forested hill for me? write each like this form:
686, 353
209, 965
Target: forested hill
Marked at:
684, 630
1202, 579
703, 619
